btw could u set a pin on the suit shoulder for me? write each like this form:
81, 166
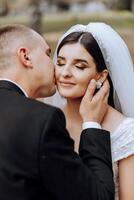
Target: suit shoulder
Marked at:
38, 106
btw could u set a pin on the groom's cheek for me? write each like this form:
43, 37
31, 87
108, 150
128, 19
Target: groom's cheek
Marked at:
54, 79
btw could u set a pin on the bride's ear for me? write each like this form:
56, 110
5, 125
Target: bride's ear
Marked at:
102, 76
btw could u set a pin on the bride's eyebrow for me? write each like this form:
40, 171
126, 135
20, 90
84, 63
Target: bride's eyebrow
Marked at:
60, 57
81, 60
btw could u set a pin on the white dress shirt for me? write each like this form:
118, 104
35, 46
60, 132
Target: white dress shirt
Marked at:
90, 124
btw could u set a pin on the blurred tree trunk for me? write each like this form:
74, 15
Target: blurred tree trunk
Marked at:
124, 4
4, 9
36, 16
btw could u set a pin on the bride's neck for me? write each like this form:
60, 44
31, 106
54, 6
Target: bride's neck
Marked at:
111, 120
71, 109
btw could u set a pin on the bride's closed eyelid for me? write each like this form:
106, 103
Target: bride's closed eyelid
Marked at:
82, 66
59, 64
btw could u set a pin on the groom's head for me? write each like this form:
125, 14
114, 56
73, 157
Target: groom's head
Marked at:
25, 59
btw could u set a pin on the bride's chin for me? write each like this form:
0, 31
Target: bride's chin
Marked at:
70, 96
67, 96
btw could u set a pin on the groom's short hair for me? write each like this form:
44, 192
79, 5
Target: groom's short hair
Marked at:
12, 37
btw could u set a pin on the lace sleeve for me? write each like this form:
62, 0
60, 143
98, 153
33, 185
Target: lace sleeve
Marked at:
122, 140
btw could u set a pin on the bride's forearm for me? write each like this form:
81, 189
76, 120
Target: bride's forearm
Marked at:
126, 178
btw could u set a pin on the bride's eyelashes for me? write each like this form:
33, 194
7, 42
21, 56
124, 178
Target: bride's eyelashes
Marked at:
81, 67
60, 63
77, 66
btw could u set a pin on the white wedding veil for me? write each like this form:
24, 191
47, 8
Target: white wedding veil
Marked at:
118, 62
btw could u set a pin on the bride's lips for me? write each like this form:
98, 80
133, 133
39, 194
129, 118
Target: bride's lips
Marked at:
66, 83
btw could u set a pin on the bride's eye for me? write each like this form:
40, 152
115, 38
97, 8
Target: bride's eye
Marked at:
80, 67
60, 63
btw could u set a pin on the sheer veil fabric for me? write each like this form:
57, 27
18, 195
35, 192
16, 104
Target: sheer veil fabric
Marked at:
118, 61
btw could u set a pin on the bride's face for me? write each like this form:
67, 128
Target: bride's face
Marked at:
74, 69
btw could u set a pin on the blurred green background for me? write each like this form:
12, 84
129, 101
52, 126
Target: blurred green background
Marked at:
52, 17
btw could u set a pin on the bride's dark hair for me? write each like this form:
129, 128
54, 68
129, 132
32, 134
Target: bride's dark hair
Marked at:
89, 43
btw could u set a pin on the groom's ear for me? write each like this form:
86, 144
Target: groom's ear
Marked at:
24, 57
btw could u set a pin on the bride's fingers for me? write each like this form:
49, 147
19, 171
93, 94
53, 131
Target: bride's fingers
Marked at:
106, 98
106, 91
103, 93
90, 90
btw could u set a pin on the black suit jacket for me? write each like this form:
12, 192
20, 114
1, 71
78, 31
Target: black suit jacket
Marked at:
37, 158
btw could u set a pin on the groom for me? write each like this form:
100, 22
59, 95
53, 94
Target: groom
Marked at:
37, 158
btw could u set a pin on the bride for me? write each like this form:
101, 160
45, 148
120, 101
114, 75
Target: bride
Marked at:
97, 52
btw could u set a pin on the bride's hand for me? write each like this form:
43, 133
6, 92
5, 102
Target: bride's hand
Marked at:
93, 107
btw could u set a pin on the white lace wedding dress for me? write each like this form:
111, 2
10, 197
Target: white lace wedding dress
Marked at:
122, 143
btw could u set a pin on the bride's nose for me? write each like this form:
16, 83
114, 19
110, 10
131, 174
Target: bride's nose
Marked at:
66, 71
